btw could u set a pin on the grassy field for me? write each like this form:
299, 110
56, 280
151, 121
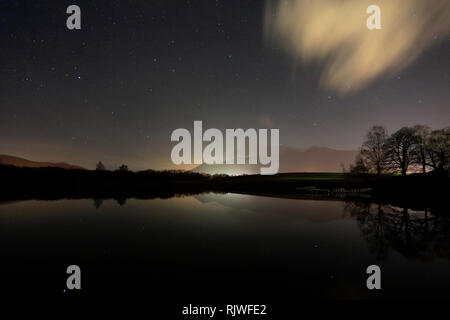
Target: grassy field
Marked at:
295, 177
310, 176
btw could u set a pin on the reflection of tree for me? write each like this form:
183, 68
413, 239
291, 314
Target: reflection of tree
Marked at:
373, 225
122, 201
415, 234
97, 203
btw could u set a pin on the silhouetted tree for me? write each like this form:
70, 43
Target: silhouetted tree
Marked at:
359, 166
400, 149
373, 149
408, 148
420, 152
123, 168
438, 149
100, 166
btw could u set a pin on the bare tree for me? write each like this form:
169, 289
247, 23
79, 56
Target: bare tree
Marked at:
422, 132
373, 149
359, 166
438, 149
400, 150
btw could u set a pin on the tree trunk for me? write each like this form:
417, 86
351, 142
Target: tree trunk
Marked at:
403, 171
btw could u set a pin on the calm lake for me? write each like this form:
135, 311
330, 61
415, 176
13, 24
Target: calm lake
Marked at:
223, 245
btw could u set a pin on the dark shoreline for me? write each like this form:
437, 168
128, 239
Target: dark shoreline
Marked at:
414, 191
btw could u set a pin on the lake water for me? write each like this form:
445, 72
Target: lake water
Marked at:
223, 245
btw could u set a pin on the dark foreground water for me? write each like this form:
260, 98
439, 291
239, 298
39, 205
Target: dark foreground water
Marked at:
223, 246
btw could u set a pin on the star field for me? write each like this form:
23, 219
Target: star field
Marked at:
137, 70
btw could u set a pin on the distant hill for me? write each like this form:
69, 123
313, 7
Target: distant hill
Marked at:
313, 159
20, 162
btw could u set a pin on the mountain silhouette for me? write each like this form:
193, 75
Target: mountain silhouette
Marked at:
312, 159
20, 162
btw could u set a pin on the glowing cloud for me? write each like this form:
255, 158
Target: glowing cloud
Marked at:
335, 34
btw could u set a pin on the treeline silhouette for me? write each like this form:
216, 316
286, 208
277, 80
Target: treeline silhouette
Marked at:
420, 155
55, 183
409, 149
51, 183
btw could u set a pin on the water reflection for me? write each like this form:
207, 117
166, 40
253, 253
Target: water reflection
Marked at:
415, 234
98, 203
225, 245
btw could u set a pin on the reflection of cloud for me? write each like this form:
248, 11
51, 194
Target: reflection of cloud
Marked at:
335, 33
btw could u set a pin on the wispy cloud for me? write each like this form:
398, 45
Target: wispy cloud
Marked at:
334, 33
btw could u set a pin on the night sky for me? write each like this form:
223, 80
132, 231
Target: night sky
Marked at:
116, 89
